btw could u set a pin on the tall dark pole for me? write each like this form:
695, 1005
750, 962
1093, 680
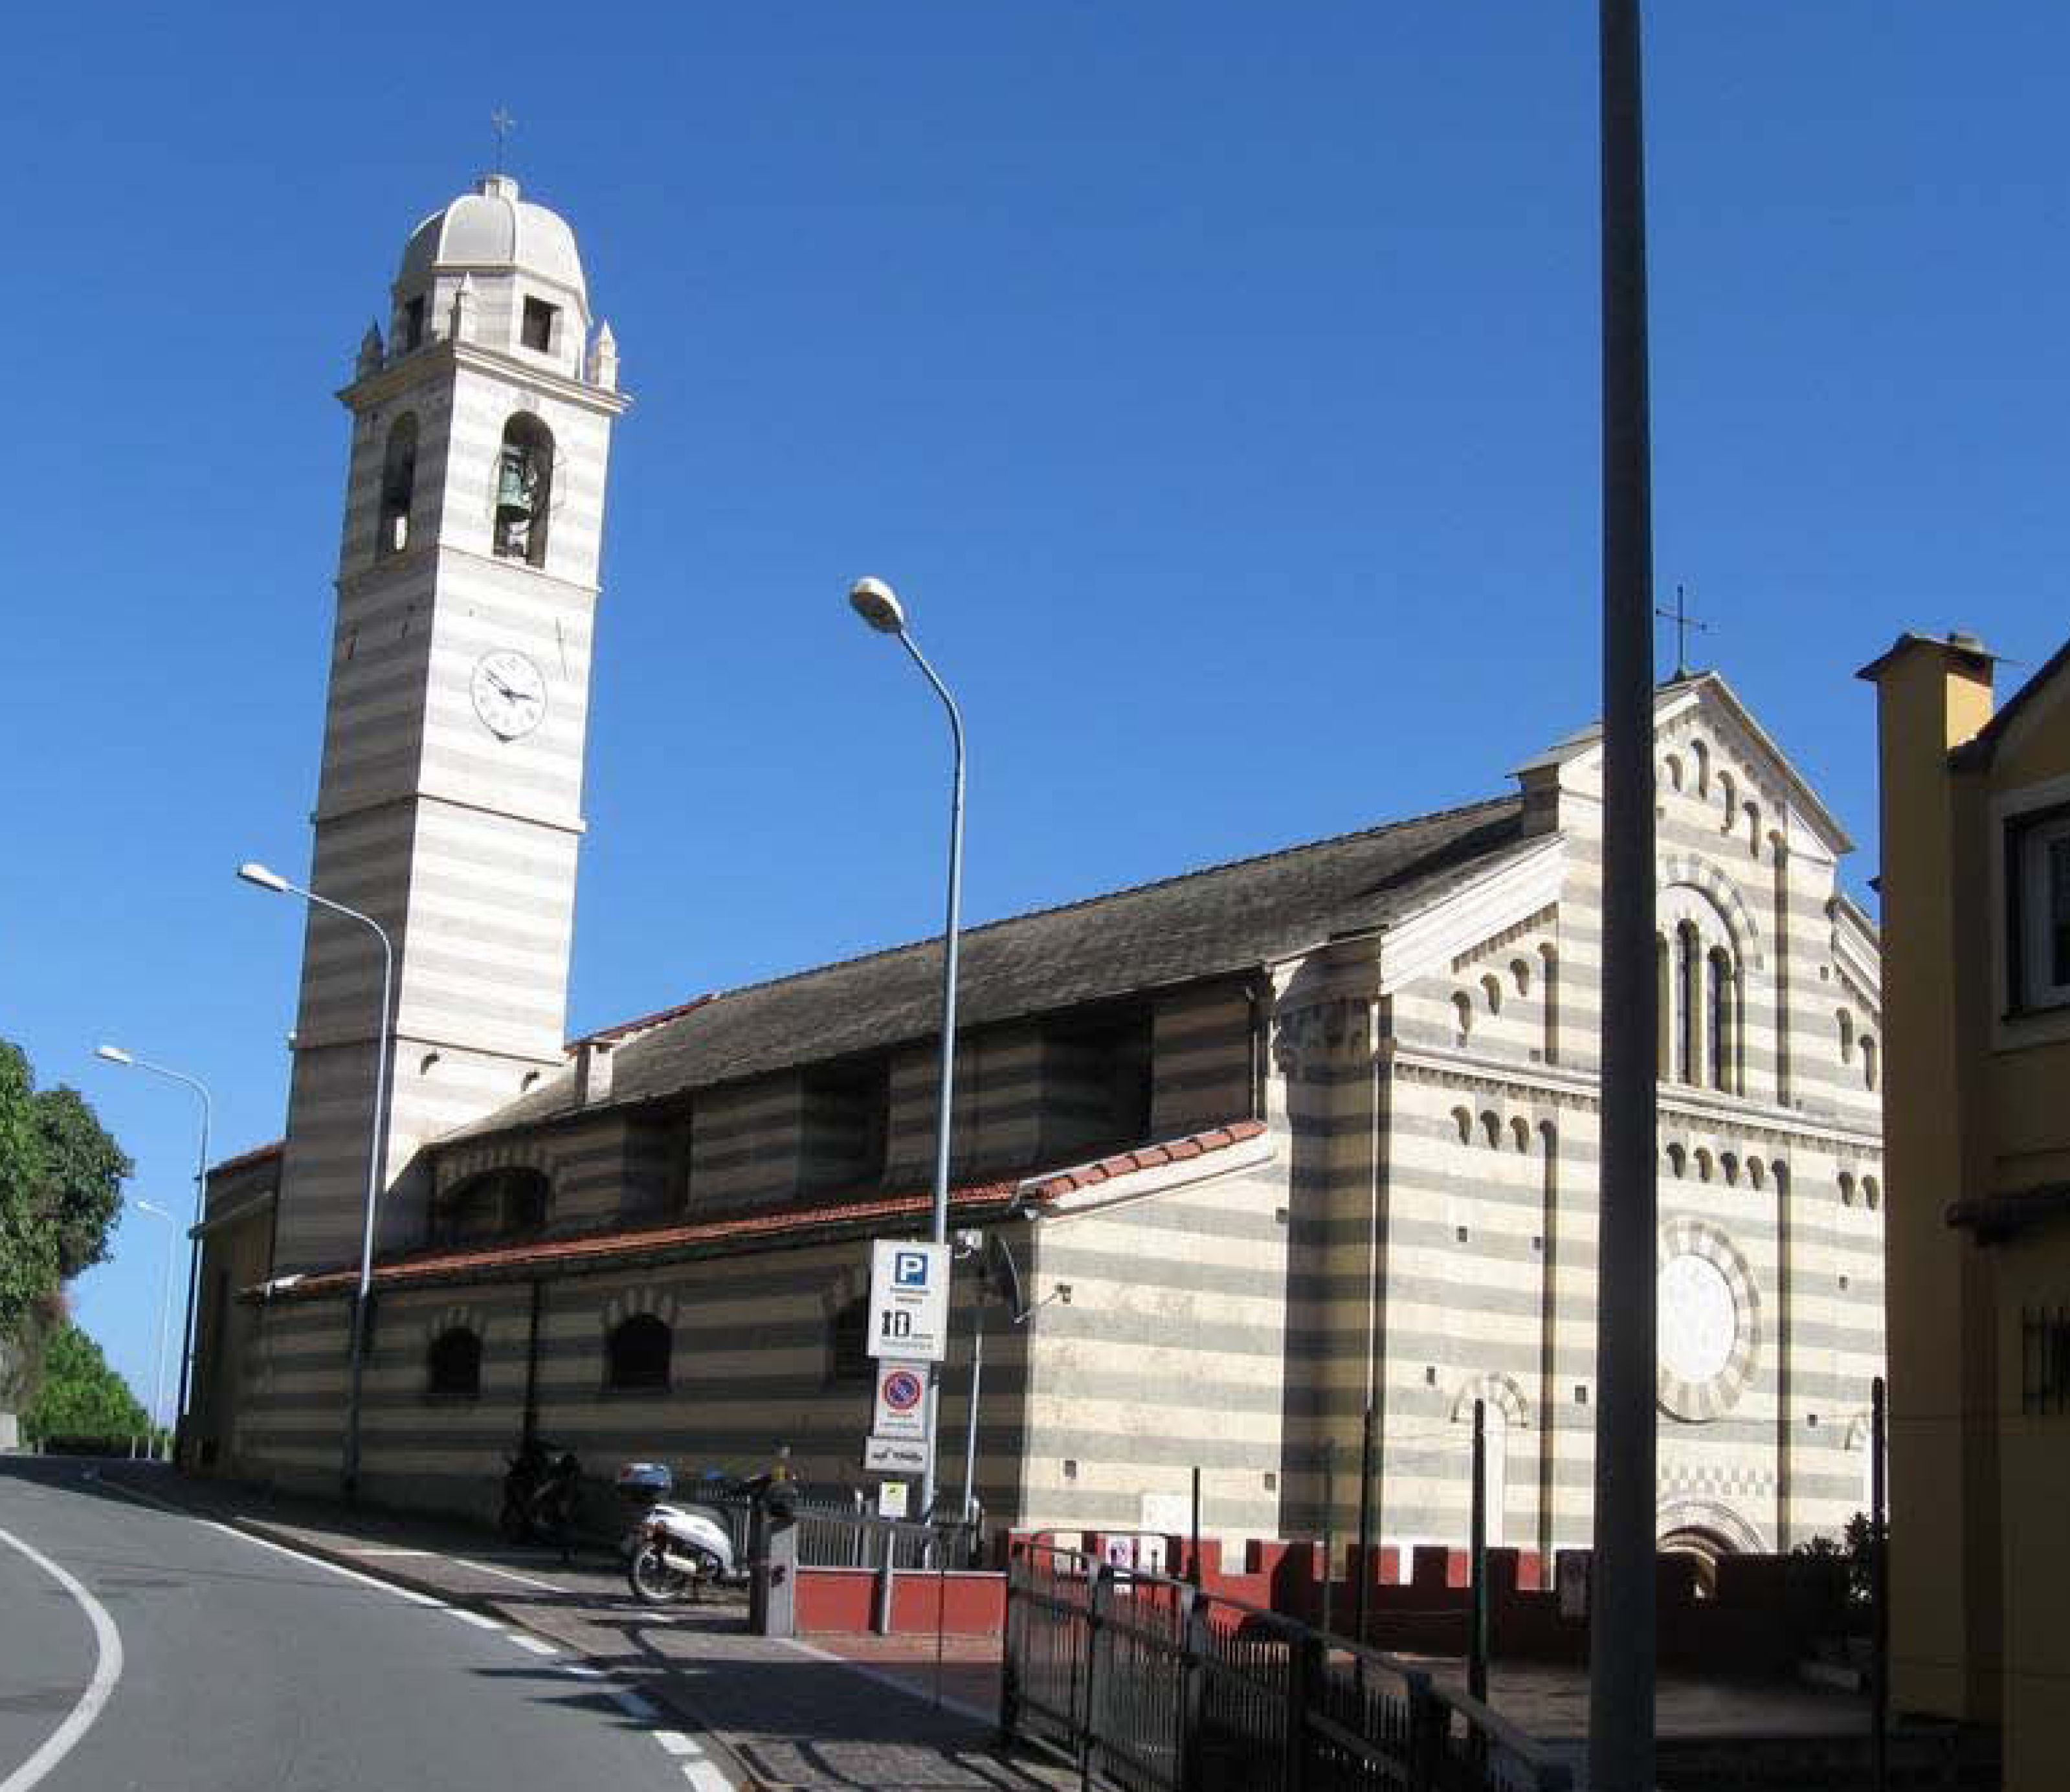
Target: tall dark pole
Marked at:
1879, 1590
1621, 1650
1477, 1636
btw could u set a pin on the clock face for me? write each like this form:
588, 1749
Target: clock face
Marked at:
509, 693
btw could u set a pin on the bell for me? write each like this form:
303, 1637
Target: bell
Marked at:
514, 486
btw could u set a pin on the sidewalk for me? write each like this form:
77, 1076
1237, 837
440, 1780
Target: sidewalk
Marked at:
792, 1716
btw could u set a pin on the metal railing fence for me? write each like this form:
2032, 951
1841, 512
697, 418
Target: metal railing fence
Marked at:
1155, 1685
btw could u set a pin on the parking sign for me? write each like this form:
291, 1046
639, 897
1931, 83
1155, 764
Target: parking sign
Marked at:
909, 1301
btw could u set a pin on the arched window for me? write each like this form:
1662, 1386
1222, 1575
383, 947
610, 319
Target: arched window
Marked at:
1703, 1163
636, 1354
1462, 1118
1729, 1164
1700, 754
1847, 1024
1491, 1125
1491, 988
1756, 1172
399, 486
1673, 765
1520, 1133
1846, 1189
1519, 972
524, 490
848, 1340
1689, 988
1871, 1193
1754, 830
1462, 1017
1663, 978
1869, 1060
453, 1366
1729, 790
1677, 1159
1720, 1015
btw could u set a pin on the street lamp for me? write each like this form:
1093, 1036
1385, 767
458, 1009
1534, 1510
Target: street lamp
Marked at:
165, 1314
264, 879
115, 1054
878, 605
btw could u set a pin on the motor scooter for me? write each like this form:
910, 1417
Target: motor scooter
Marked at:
673, 1550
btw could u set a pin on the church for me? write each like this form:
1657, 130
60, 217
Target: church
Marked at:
1272, 1143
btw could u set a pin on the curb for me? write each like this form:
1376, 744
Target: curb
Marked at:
743, 1777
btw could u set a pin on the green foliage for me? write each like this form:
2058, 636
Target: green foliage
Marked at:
81, 1396
29, 1253
83, 1170
60, 1189
1857, 1552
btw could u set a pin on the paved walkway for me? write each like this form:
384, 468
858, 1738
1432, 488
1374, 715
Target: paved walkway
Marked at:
802, 1719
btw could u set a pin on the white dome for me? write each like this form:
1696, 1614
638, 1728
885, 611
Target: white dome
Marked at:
493, 228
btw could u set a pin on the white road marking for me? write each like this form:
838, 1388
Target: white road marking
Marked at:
534, 1645
633, 1705
476, 1619
385, 1552
503, 1573
410, 1593
706, 1778
676, 1743
582, 1670
107, 1671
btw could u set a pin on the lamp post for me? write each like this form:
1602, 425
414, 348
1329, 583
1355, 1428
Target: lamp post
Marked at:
116, 1054
164, 1316
264, 879
876, 602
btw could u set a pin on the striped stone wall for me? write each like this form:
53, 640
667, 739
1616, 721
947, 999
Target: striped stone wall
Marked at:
752, 1369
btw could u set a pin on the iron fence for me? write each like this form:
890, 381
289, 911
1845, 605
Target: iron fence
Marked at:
1154, 1685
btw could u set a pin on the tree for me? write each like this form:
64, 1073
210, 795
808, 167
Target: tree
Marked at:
81, 1396
28, 1241
83, 1170
61, 1179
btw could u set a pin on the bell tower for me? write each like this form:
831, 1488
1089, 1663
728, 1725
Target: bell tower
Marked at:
449, 807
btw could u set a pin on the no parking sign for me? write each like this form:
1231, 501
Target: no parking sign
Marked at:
902, 1399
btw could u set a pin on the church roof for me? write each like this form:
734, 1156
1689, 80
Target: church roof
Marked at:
1226, 918
492, 228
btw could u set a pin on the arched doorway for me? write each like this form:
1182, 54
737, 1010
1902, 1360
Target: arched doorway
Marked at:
1702, 1547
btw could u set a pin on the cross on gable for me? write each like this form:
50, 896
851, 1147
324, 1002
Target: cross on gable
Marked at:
1683, 623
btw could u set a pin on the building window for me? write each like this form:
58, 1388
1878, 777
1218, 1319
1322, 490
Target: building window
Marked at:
2038, 923
453, 1364
1720, 1015
1688, 989
537, 330
524, 491
512, 1200
398, 486
848, 1341
636, 1354
1098, 1080
412, 329
2044, 1357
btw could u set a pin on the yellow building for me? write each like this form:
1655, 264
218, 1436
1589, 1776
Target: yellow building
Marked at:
1976, 939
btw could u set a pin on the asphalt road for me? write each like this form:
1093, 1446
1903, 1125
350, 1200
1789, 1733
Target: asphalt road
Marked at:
242, 1666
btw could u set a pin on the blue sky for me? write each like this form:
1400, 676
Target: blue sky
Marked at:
1217, 384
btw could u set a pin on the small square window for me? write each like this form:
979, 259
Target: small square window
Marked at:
2038, 910
536, 332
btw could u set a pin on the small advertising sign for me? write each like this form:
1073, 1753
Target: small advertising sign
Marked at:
895, 1456
891, 1499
